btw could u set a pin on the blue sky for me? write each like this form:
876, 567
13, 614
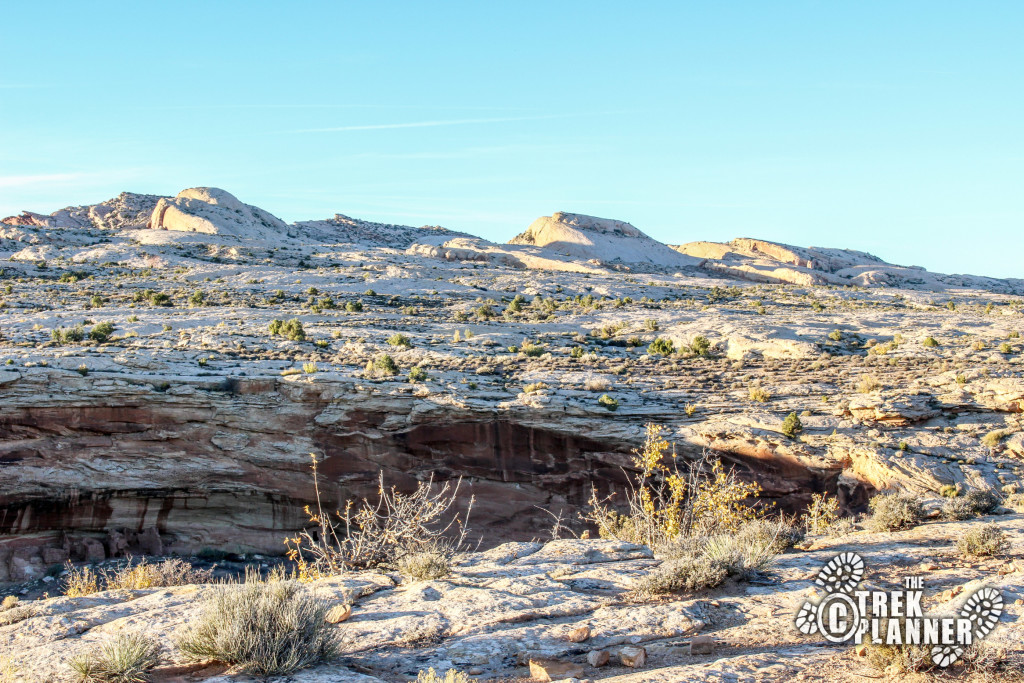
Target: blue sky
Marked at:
890, 127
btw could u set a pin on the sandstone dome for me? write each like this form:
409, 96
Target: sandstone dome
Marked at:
602, 239
213, 211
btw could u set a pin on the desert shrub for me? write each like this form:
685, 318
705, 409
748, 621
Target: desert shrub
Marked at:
382, 533
983, 541
930, 342
1015, 501
170, 572
749, 550
700, 346
821, 514
894, 511
124, 658
697, 563
531, 350
197, 298
867, 384
686, 574
608, 402
80, 581
534, 387
425, 566
756, 393
898, 658
661, 347
9, 602
293, 330
576, 352
596, 384
16, 614
265, 629
354, 306
983, 501
949, 491
792, 426
309, 367
275, 326
957, 509
399, 340
835, 335
992, 439
101, 333
385, 365
63, 336
417, 374
975, 502
450, 676
665, 503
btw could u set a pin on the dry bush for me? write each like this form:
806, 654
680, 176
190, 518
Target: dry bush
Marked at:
822, 514
899, 659
16, 614
125, 658
696, 518
698, 563
80, 581
133, 576
868, 384
450, 676
262, 628
170, 572
8, 602
894, 511
8, 669
380, 534
983, 541
687, 574
972, 504
597, 384
758, 394
425, 566
534, 387
665, 503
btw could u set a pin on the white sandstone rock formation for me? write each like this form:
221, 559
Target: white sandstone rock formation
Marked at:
214, 211
599, 239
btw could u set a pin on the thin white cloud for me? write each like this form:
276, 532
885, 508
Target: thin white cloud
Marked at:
41, 179
431, 124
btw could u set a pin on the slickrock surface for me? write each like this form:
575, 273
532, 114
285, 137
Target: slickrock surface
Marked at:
189, 425
521, 601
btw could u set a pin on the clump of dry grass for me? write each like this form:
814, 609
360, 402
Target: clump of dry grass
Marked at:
266, 629
425, 566
125, 658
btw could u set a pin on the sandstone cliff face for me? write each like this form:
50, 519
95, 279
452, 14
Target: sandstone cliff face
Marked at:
94, 468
